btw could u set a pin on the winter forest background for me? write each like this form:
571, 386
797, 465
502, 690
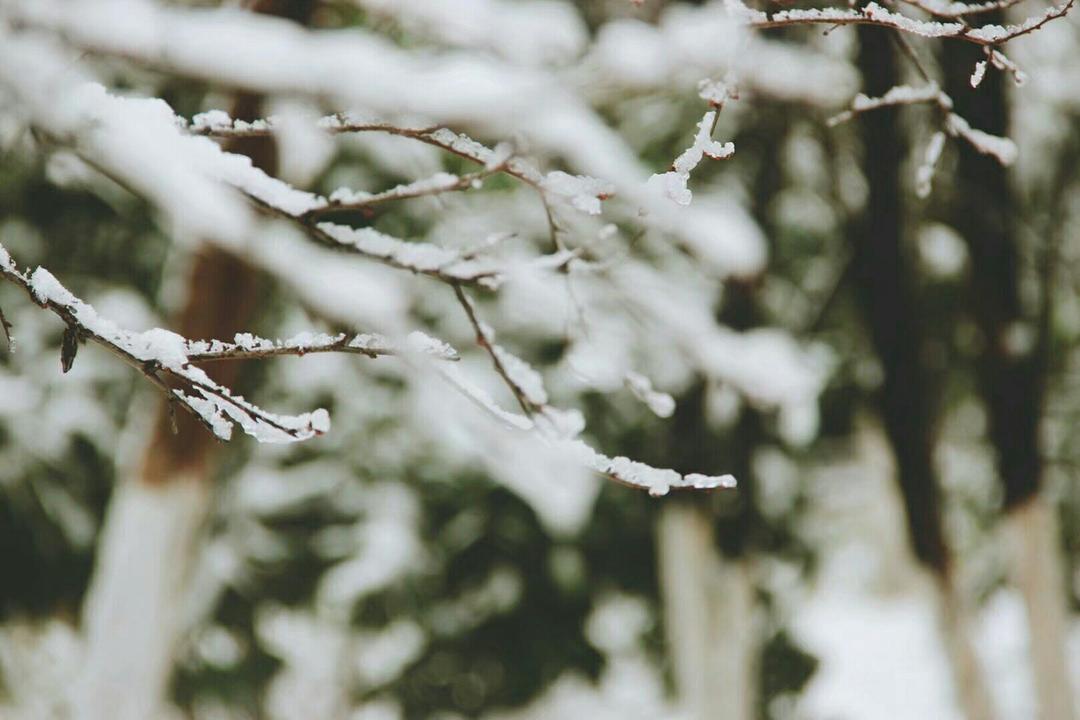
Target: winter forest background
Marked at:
461, 279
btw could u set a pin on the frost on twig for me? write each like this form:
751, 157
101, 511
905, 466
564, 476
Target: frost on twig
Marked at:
162, 356
344, 199
673, 184
874, 14
419, 257
1002, 62
246, 346
582, 192
898, 95
1000, 148
942, 9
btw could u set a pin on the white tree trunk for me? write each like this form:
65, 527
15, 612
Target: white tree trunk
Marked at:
708, 616
972, 695
1035, 567
133, 611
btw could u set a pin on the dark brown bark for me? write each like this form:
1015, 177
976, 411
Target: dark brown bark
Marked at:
1011, 383
885, 285
222, 296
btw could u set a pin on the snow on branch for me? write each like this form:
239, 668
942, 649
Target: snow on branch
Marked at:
162, 356
874, 14
660, 403
246, 346
581, 192
898, 95
1000, 61
1000, 148
560, 427
530, 32
942, 9
418, 257
673, 184
126, 138
344, 199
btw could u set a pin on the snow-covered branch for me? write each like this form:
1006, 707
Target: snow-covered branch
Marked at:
942, 9
581, 192
246, 346
163, 357
561, 427
673, 184
1000, 148
874, 14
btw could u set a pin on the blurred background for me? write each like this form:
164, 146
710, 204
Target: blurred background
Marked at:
890, 374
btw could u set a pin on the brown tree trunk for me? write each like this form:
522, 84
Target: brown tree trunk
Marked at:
1011, 370
890, 306
134, 609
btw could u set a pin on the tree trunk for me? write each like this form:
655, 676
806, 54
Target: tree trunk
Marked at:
132, 618
891, 310
1011, 374
708, 617
1035, 562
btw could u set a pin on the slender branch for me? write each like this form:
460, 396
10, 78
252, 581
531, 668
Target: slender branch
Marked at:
874, 14
341, 123
249, 347
1000, 148
165, 359
484, 340
422, 258
951, 10
344, 200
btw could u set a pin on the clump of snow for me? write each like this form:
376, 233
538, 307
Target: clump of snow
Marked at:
1001, 148
672, 184
584, 193
660, 403
212, 120
978, 73
440, 182
416, 256
924, 175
